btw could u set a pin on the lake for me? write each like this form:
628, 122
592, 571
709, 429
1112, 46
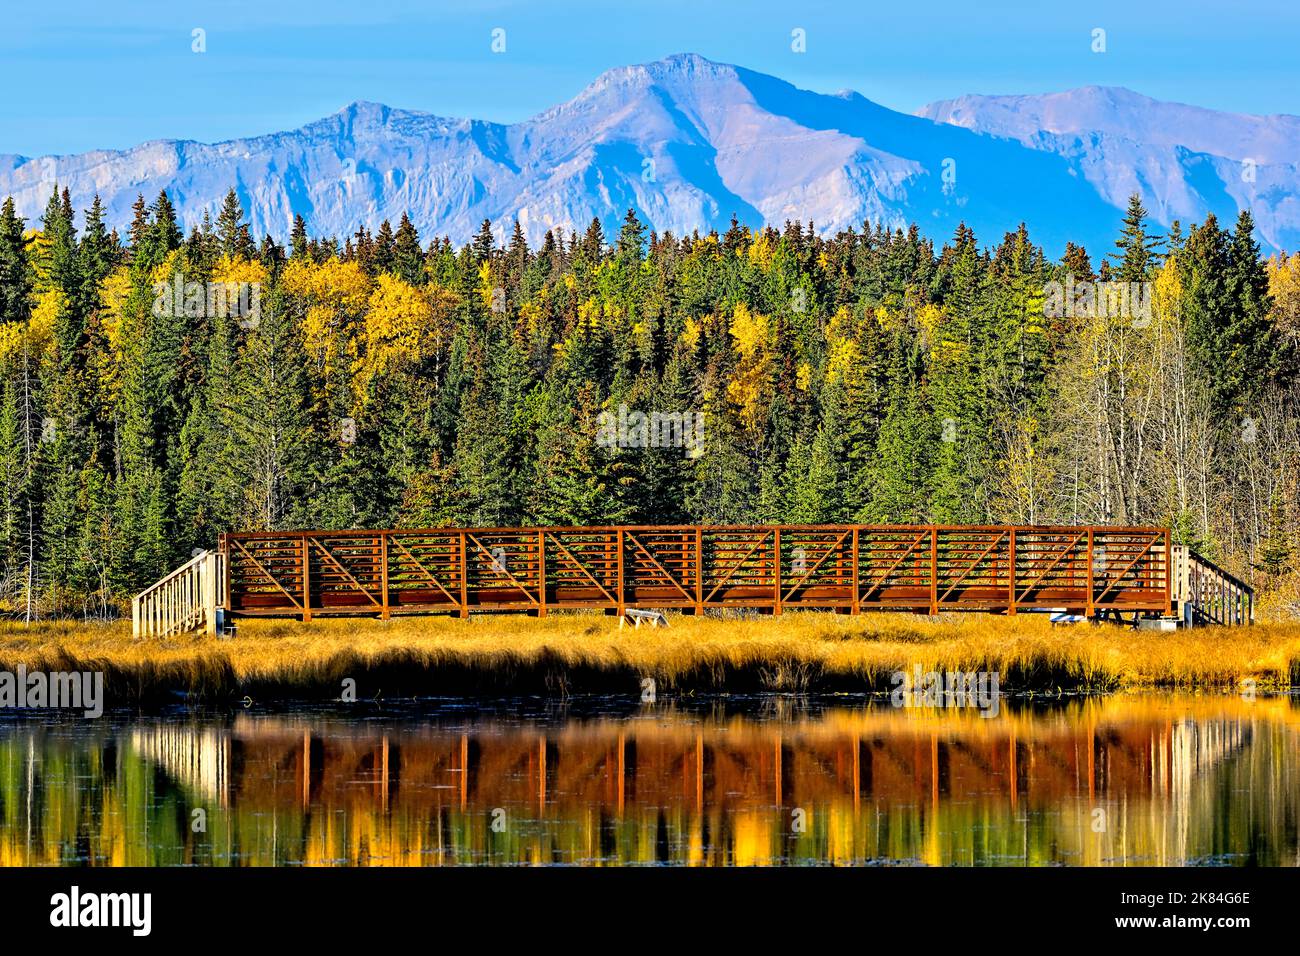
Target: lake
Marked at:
1120, 780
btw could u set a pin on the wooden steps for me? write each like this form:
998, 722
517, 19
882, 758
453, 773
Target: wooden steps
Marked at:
185, 600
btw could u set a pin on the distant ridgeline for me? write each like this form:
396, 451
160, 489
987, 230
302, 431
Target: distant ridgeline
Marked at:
159, 387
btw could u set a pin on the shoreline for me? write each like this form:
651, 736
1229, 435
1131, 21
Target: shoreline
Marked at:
505, 655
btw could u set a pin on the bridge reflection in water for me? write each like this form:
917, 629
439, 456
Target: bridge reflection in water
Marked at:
1156, 780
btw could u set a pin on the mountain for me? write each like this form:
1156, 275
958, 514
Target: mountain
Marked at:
689, 142
1183, 160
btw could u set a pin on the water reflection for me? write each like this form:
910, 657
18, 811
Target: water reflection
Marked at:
1126, 780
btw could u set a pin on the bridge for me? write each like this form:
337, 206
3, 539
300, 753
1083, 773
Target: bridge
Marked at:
1092, 572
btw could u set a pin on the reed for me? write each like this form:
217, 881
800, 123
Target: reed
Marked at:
568, 653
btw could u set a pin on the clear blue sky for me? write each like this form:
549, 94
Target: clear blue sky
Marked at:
89, 73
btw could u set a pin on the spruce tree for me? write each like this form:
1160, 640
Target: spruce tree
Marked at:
15, 268
232, 232
1137, 253
298, 238
1250, 350
408, 258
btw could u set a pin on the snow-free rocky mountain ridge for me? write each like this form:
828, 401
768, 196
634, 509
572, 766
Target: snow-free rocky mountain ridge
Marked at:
689, 142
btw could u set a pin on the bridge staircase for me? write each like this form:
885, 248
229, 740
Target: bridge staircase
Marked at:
188, 599
1204, 593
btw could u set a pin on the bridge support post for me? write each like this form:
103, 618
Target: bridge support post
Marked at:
699, 571
776, 571
383, 577
934, 570
1092, 590
211, 566
464, 580
1169, 570
541, 574
622, 589
1011, 573
306, 579
856, 607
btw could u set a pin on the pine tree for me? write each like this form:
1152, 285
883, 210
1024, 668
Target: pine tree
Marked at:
483, 245
901, 476
962, 366
62, 275
384, 256
1250, 350
15, 268
14, 492
298, 238
232, 232
630, 247
139, 225
408, 258
267, 416
163, 235
1137, 253
97, 255
577, 482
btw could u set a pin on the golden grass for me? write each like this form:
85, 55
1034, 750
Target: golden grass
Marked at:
577, 652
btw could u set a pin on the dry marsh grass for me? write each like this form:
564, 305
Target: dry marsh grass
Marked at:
580, 652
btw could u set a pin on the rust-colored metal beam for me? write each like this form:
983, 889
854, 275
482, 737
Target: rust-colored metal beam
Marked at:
810, 571
1143, 553
879, 582
738, 565
325, 552
580, 566
662, 570
971, 567
419, 566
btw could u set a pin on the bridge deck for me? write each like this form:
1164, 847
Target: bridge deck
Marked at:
850, 568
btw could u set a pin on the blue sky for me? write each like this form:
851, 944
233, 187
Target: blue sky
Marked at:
87, 74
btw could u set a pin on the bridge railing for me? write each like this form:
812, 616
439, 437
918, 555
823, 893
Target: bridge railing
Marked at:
1207, 594
185, 600
928, 568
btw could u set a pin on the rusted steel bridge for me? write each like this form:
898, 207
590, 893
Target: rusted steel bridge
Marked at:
694, 568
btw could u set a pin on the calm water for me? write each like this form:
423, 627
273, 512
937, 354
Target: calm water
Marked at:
1126, 780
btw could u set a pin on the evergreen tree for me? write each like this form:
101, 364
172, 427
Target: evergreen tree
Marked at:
1137, 253
298, 238
384, 258
15, 268
901, 476
232, 232
1251, 353
267, 414
408, 258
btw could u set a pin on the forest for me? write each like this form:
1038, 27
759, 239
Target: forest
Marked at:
162, 386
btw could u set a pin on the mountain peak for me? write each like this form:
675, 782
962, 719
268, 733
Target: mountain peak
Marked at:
364, 107
691, 65
680, 68
1120, 113
687, 141
367, 112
